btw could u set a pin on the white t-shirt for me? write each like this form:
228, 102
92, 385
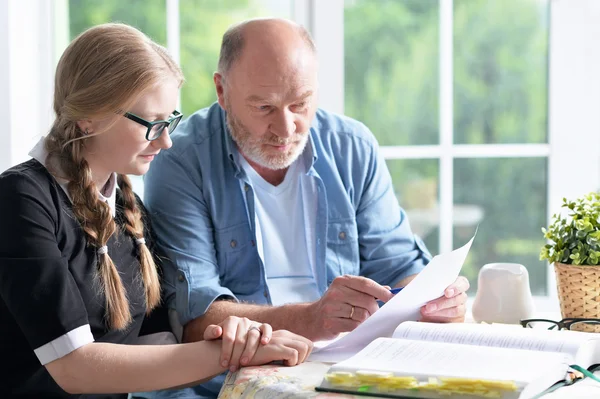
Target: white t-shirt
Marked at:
285, 217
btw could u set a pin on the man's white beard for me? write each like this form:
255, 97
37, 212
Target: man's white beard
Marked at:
253, 148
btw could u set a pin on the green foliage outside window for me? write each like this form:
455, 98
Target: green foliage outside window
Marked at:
149, 16
500, 73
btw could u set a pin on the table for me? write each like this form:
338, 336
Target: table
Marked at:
279, 382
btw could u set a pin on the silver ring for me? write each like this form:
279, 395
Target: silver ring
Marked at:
255, 328
351, 312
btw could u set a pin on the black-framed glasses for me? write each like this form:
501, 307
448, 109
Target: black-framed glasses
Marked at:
572, 323
155, 128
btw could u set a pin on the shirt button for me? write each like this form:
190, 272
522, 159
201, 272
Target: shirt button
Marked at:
252, 242
266, 294
233, 243
181, 278
246, 187
342, 235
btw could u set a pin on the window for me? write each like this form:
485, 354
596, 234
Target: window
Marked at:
444, 86
147, 16
486, 110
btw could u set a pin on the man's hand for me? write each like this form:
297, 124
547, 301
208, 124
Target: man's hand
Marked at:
291, 348
449, 308
241, 340
349, 301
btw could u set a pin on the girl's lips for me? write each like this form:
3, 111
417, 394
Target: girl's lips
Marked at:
148, 157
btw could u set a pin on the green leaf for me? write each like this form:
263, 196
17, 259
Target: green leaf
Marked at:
574, 238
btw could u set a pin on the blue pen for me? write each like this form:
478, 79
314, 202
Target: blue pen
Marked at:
393, 291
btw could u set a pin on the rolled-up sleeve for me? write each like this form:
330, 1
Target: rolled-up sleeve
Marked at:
389, 250
184, 231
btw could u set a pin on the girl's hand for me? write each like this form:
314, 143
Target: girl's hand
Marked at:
241, 339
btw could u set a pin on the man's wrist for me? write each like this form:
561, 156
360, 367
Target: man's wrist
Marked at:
297, 319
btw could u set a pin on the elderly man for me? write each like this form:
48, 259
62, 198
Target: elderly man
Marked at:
272, 209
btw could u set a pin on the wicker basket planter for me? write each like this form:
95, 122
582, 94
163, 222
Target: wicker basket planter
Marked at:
579, 293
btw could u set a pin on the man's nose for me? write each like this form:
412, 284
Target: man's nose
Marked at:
284, 125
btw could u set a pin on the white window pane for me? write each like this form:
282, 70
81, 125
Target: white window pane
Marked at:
416, 187
500, 71
149, 16
509, 197
391, 51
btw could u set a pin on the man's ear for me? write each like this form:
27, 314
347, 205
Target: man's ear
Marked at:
85, 125
220, 88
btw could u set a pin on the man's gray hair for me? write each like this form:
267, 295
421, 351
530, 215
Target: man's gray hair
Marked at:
233, 45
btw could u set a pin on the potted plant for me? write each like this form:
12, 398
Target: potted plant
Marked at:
574, 248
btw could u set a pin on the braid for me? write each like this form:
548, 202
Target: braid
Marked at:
135, 226
96, 220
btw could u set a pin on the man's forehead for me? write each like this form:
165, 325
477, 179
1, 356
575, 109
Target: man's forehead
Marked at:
274, 93
281, 62
264, 84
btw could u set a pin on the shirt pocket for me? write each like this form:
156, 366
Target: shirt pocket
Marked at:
239, 268
342, 247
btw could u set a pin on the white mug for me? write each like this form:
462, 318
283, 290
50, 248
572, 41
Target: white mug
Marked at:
503, 294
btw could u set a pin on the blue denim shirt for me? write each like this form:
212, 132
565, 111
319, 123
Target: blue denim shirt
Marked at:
202, 208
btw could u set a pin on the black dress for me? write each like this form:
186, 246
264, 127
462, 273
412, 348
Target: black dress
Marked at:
48, 285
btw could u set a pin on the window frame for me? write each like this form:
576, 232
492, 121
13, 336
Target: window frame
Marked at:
33, 49
572, 34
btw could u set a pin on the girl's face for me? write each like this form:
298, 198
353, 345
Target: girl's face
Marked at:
123, 148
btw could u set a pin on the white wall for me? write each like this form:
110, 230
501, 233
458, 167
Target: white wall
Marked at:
574, 104
5, 108
574, 108
26, 42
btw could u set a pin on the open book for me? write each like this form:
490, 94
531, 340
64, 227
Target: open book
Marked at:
425, 360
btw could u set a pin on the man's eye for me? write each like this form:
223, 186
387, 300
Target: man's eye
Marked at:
263, 107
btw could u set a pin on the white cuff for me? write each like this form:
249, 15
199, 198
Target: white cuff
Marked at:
64, 344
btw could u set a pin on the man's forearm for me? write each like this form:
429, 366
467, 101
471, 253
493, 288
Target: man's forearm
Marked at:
292, 317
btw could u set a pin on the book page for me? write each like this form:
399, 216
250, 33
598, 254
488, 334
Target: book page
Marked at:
567, 342
422, 359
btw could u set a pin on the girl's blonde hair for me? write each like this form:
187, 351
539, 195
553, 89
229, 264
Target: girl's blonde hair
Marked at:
103, 72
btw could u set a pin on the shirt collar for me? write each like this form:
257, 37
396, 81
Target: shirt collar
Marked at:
230, 147
108, 193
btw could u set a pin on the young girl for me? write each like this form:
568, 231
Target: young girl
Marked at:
77, 271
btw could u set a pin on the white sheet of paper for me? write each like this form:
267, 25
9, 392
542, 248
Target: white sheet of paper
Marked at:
405, 305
